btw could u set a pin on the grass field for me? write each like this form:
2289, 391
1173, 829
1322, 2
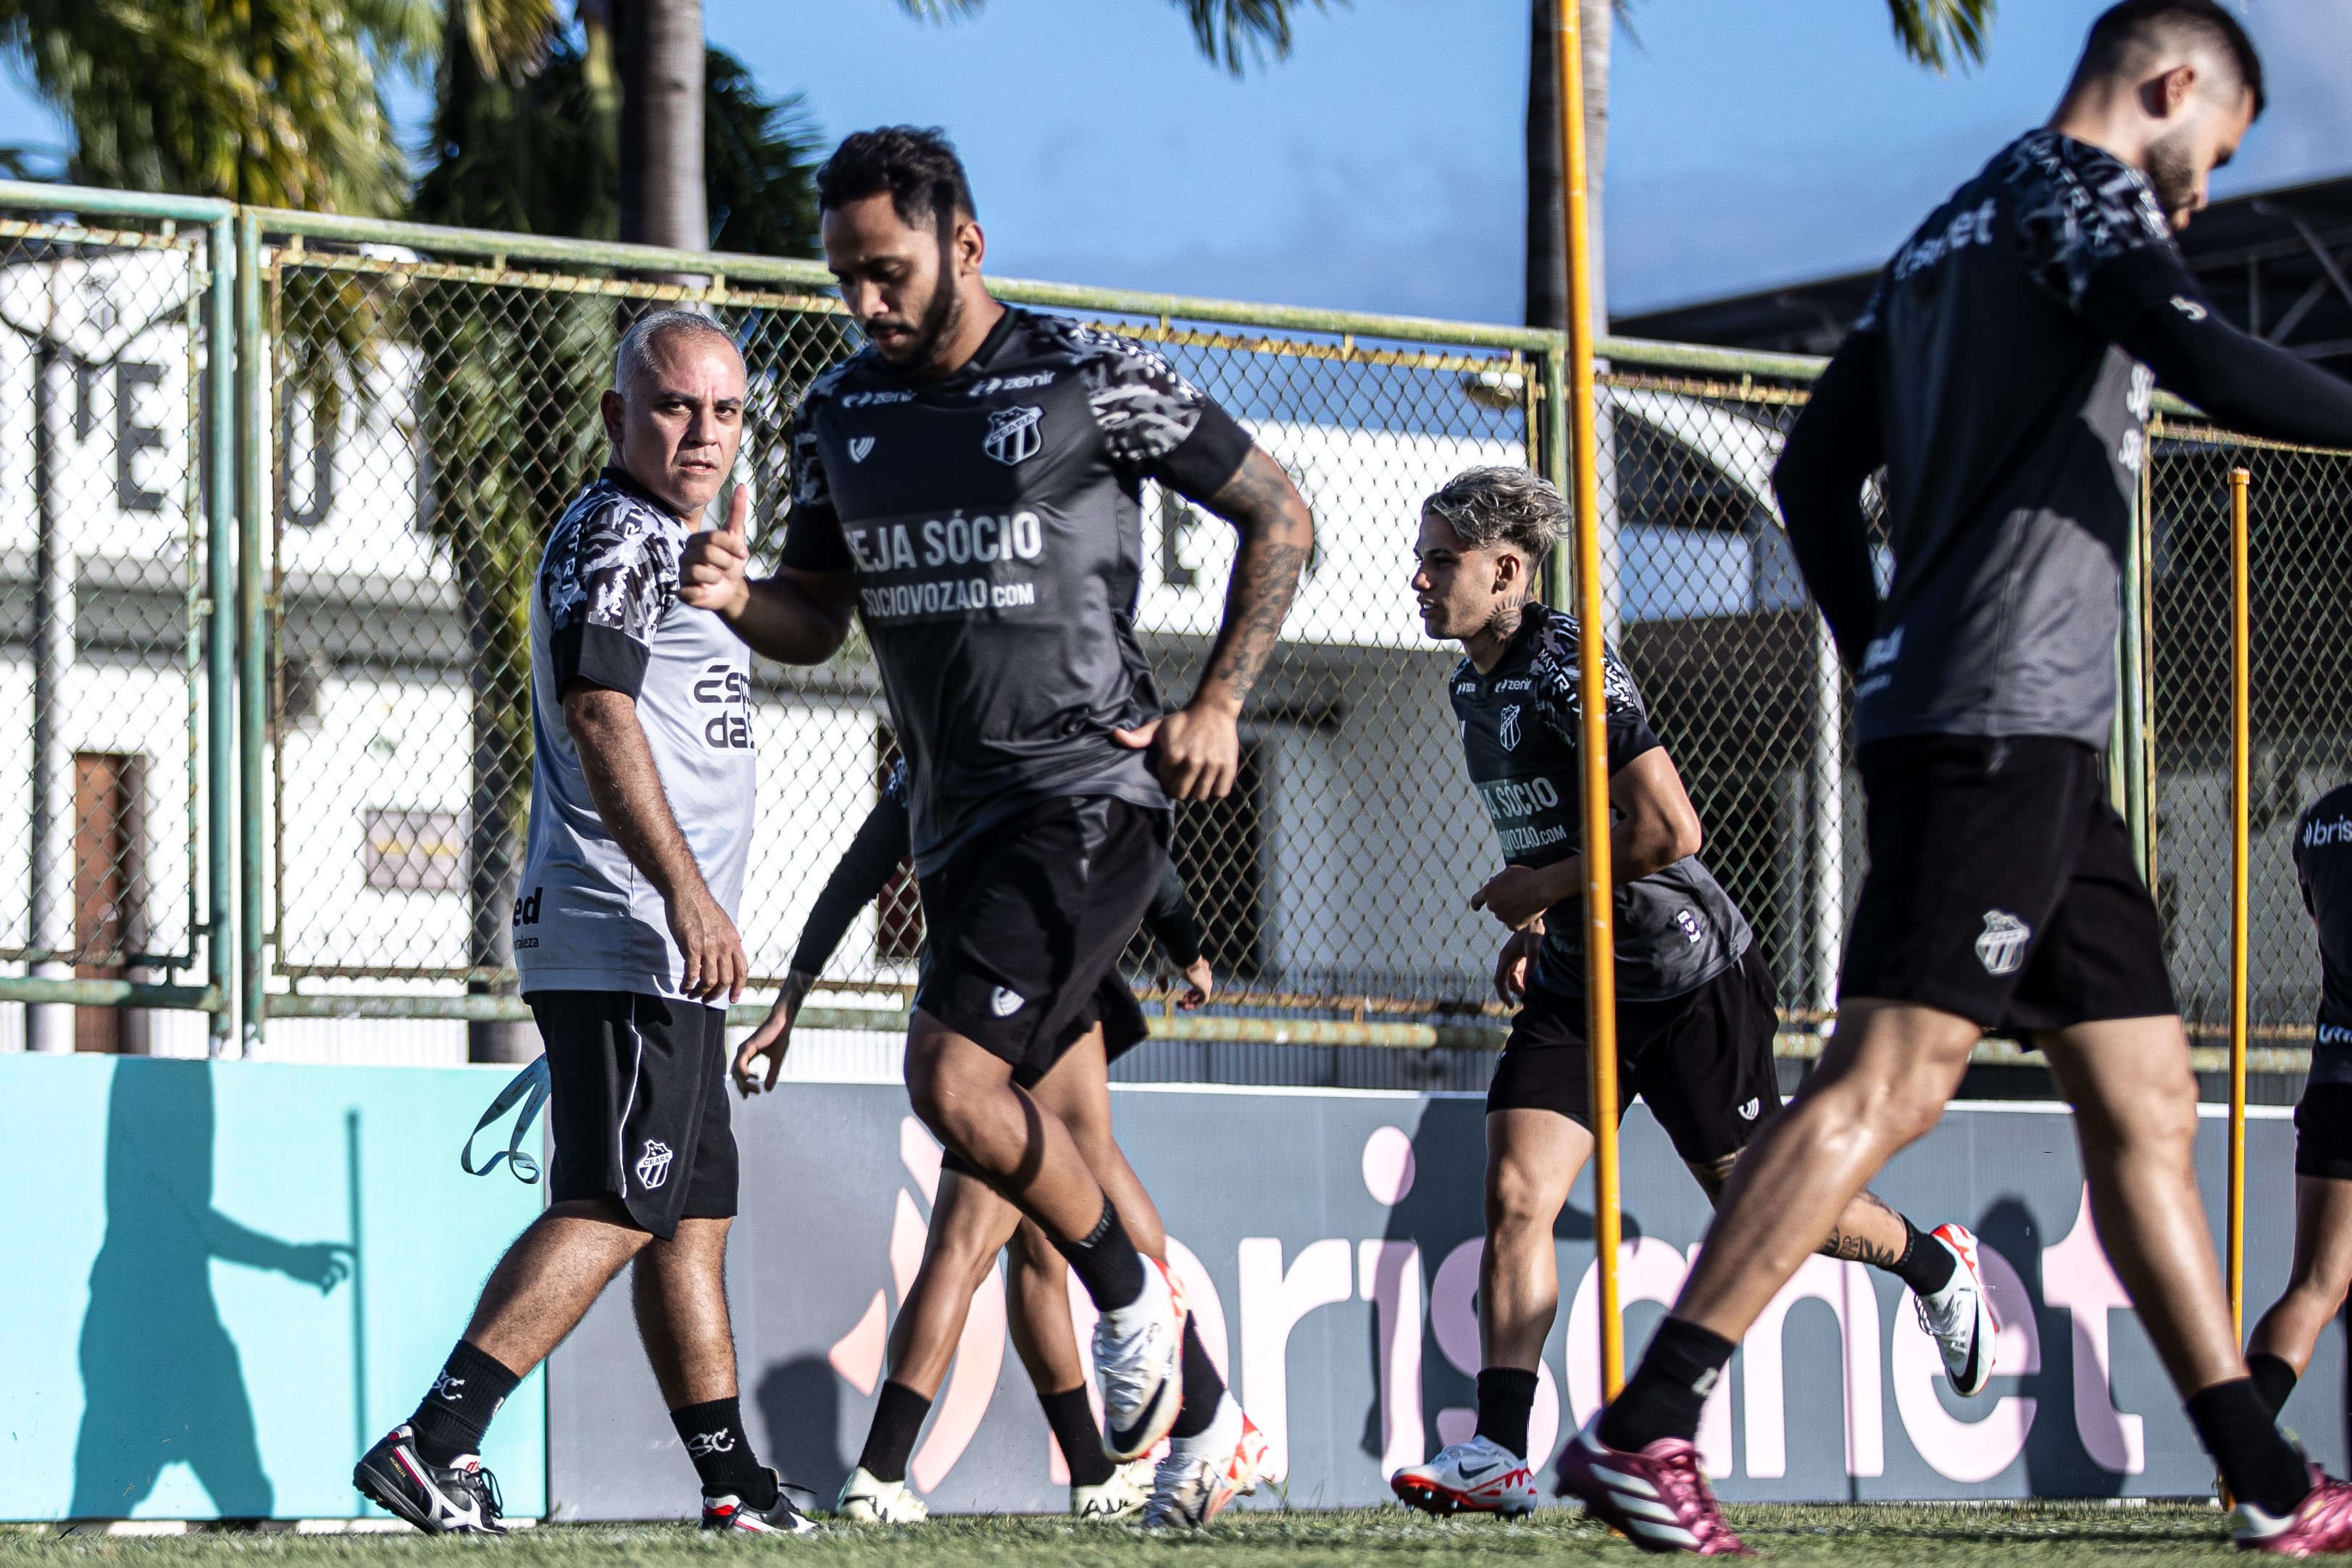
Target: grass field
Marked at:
1991, 1534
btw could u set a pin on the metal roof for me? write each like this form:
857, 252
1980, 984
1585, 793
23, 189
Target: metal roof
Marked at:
2277, 263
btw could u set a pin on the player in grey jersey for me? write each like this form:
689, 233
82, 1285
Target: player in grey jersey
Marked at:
969, 484
642, 789
2001, 376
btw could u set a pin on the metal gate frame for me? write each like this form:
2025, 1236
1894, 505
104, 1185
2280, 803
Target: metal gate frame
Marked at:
46, 210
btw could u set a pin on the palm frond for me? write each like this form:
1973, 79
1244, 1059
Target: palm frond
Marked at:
939, 10
1237, 34
1940, 34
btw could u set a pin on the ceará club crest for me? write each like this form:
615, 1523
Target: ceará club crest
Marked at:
1012, 434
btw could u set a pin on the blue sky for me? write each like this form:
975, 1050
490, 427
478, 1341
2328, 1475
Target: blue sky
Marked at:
1755, 142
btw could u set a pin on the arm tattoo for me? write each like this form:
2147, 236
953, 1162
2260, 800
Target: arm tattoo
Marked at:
1277, 534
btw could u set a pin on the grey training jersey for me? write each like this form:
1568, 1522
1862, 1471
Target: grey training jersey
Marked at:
2322, 866
1676, 928
605, 611
991, 521
2014, 435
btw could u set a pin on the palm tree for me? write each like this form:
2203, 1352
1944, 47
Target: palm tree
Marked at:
271, 101
1937, 34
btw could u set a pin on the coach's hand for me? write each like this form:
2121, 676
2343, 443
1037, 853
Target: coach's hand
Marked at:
1511, 967
714, 964
710, 572
1200, 985
1199, 749
1518, 894
774, 1037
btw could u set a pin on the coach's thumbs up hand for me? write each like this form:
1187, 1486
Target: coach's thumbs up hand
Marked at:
710, 574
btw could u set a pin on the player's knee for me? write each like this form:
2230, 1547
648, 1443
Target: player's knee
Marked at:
1517, 1200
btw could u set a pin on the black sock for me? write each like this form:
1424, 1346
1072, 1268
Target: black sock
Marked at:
890, 1441
2260, 1466
721, 1451
1506, 1394
1107, 1263
1203, 1389
1073, 1421
1926, 1265
2273, 1379
1663, 1397
457, 1411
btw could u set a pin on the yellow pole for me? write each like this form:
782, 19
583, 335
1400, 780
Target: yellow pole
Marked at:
1599, 934
2241, 754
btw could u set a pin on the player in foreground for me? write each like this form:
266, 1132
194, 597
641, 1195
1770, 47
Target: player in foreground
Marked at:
641, 809
970, 1223
2003, 375
1697, 1006
968, 483
2282, 1342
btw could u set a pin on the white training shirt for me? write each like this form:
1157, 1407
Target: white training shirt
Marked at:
605, 610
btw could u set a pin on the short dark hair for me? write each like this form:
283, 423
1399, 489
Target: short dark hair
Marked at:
919, 167
2136, 23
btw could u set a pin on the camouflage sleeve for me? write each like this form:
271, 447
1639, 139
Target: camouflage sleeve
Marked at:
1557, 697
610, 575
2077, 209
1156, 425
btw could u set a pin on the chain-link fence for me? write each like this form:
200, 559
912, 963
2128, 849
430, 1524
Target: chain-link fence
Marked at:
107, 380
2300, 555
417, 405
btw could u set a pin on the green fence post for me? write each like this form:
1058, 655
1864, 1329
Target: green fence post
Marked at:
220, 652
252, 627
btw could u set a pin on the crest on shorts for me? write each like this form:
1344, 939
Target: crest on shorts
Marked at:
1752, 1110
1005, 1002
1508, 731
1012, 435
859, 446
2000, 947
653, 1164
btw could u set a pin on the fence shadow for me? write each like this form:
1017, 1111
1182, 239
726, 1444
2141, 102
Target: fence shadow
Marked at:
162, 1380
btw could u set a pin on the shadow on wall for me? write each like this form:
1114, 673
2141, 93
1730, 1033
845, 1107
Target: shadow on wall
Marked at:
801, 1401
161, 1378
2055, 1463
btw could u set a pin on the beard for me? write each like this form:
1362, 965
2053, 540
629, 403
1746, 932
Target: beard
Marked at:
2172, 170
936, 322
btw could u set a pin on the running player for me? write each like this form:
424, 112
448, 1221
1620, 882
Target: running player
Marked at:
968, 483
640, 804
1697, 1006
2282, 1342
970, 1223
2002, 375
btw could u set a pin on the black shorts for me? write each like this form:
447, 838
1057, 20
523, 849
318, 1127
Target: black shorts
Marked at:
1701, 1061
2323, 1131
1026, 924
637, 1104
2002, 887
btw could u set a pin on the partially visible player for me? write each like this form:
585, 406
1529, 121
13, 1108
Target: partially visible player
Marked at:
1697, 1010
2002, 378
967, 484
2282, 1342
970, 1223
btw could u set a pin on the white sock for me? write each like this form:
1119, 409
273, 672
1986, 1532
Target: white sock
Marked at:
1218, 1439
